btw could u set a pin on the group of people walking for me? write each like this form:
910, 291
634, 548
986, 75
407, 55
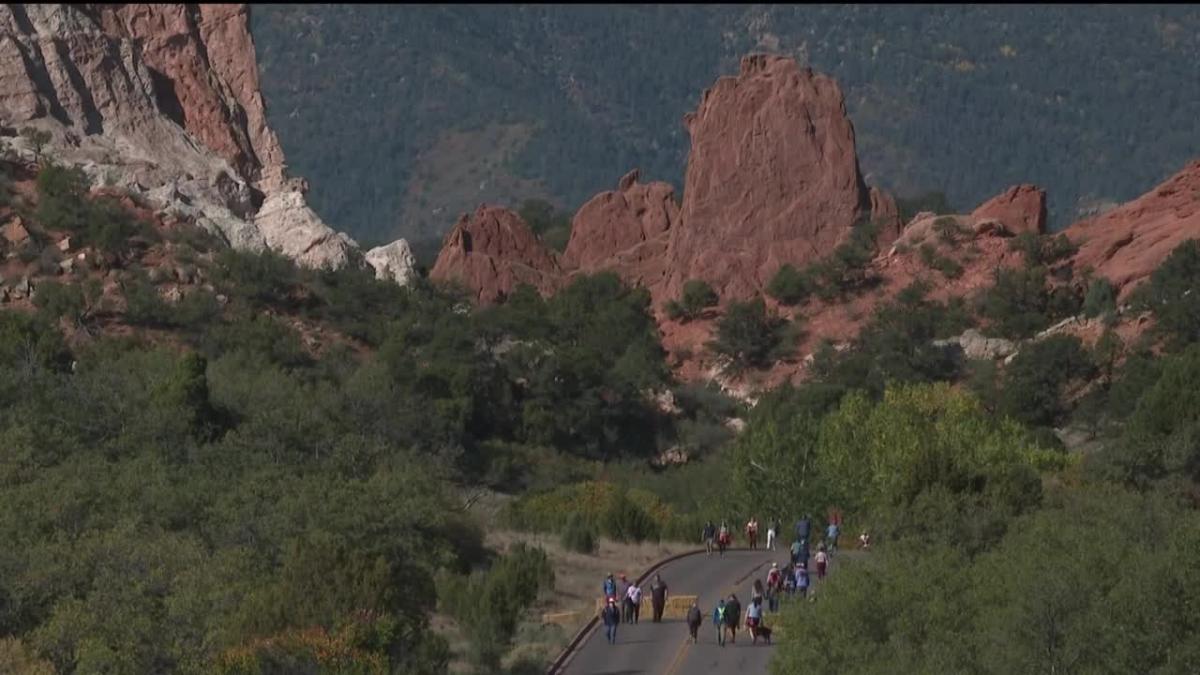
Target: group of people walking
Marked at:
629, 596
623, 599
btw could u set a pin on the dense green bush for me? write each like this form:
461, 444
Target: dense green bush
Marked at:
578, 536
790, 286
1020, 303
896, 345
1042, 250
1040, 600
488, 604
935, 260
64, 204
1173, 295
259, 280
697, 296
1035, 380
1100, 299
750, 337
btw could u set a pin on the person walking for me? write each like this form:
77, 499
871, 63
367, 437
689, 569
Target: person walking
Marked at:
831, 536
709, 536
722, 539
719, 621
801, 581
802, 528
772, 533
774, 587
623, 599
796, 548
733, 615
754, 614
633, 599
822, 561
864, 541
612, 618
756, 591
752, 533
694, 618
658, 597
610, 586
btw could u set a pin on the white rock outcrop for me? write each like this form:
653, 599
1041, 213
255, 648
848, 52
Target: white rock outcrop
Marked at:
393, 262
162, 101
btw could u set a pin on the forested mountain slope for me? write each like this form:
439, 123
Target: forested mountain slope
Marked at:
403, 119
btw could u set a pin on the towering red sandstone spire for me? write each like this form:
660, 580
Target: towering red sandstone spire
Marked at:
772, 178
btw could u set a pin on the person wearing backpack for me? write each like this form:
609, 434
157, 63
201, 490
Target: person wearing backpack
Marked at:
612, 618
719, 621
694, 618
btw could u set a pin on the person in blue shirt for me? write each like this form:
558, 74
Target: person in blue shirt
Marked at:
610, 586
802, 528
831, 536
719, 621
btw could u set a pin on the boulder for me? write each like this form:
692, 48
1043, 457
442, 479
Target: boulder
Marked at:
611, 224
393, 262
976, 345
491, 252
1127, 244
15, 232
1021, 208
772, 178
289, 226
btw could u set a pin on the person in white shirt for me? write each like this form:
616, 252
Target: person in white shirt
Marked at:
633, 600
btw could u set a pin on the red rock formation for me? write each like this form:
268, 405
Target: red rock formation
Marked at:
493, 251
206, 75
624, 230
1021, 208
772, 178
1128, 243
886, 215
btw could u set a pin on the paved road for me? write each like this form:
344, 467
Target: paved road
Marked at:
664, 649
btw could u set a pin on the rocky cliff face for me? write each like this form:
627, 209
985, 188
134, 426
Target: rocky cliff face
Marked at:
491, 252
162, 101
772, 178
1126, 244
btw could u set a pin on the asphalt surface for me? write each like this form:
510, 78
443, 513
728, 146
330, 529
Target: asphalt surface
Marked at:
665, 648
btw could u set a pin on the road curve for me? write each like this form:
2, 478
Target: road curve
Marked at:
664, 649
